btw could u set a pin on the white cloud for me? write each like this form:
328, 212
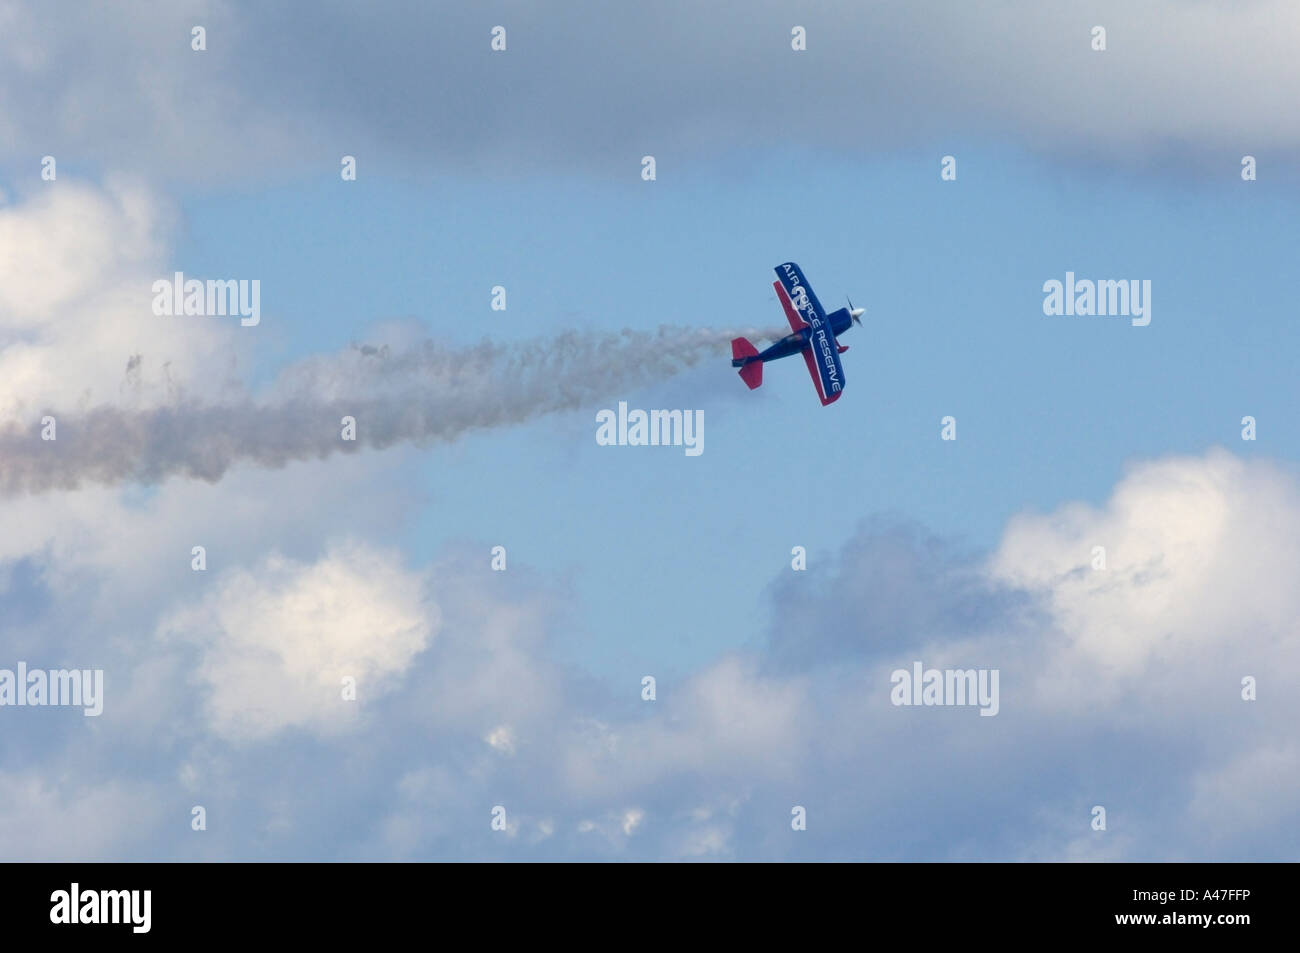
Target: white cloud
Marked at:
1200, 556
77, 263
278, 639
632, 819
502, 739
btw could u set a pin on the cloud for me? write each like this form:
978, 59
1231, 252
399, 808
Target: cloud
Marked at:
76, 267
279, 640
1180, 84
1198, 553
892, 583
74, 820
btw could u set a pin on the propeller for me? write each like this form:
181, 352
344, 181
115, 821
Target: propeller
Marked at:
855, 313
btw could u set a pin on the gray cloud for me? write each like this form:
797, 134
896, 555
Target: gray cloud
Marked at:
413, 88
892, 584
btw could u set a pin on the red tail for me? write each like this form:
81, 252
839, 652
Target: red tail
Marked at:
741, 353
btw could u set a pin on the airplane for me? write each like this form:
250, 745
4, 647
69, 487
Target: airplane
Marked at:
814, 334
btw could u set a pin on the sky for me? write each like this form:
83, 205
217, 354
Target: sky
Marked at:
502, 714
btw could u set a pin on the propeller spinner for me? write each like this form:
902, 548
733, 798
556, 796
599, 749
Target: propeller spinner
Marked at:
855, 313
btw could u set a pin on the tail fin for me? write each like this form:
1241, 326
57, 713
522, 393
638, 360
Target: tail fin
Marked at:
745, 356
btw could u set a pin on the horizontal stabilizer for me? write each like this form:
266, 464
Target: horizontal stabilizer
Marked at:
745, 356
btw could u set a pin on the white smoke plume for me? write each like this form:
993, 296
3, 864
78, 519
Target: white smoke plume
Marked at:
424, 395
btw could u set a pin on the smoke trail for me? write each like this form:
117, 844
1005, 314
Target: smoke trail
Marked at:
425, 395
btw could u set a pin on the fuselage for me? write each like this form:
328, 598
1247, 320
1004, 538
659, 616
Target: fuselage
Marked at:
796, 341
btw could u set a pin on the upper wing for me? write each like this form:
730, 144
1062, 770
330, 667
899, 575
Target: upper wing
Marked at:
823, 359
800, 294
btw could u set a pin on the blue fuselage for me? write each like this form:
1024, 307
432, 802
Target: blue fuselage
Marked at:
796, 341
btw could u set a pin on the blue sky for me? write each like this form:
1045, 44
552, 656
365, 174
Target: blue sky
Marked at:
1121, 685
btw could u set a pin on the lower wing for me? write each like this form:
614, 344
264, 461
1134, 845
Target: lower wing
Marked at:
822, 356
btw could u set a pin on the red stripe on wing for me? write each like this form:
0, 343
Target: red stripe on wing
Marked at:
811, 361
796, 322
